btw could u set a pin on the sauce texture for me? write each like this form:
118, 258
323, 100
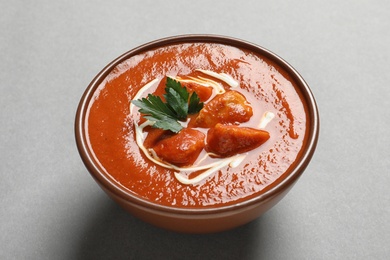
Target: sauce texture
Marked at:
111, 132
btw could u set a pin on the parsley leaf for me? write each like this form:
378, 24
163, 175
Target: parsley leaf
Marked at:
194, 104
178, 105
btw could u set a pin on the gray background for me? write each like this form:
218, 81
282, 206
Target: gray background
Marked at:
52, 209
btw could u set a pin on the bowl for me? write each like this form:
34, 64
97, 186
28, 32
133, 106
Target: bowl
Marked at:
198, 218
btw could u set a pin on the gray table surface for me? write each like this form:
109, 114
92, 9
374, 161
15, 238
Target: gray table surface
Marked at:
50, 207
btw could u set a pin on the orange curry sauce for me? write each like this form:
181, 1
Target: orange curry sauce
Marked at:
265, 86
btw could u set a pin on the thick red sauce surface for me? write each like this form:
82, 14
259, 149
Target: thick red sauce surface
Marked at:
265, 85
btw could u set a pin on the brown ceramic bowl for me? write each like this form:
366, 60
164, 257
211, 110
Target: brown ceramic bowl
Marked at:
208, 219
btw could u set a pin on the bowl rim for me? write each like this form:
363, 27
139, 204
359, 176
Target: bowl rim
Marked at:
110, 184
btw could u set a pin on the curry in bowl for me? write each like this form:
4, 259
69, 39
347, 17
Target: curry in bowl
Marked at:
198, 123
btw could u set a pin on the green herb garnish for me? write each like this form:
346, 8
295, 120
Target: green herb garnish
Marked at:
179, 103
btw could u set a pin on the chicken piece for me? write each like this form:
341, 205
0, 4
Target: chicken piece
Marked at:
229, 140
181, 149
229, 107
204, 93
155, 135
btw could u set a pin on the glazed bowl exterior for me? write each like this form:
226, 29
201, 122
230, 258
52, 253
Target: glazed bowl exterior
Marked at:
196, 220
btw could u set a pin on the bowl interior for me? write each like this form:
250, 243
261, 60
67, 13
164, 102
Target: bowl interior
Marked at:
279, 186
